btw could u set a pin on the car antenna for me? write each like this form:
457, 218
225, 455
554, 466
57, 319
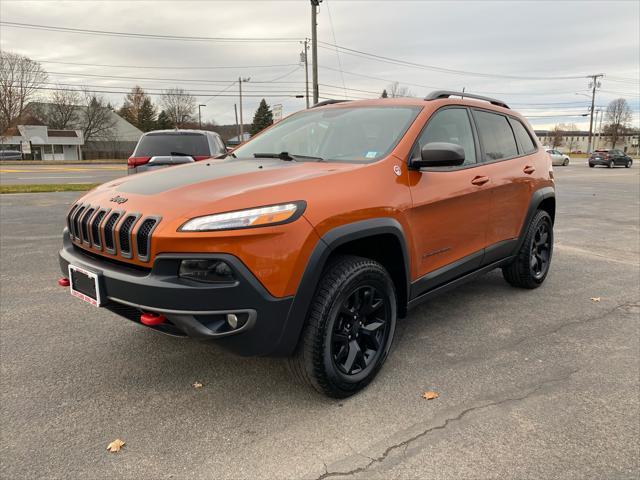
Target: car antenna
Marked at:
463, 89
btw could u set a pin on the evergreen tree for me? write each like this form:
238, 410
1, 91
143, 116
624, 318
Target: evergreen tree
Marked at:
263, 117
384, 94
147, 115
163, 122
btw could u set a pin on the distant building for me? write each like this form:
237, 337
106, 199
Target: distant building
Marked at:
42, 143
578, 141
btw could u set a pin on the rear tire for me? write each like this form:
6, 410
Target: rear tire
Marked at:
531, 265
591, 165
349, 330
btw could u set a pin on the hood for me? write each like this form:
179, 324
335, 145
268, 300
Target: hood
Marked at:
214, 186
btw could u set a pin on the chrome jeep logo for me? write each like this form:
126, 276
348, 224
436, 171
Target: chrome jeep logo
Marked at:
118, 199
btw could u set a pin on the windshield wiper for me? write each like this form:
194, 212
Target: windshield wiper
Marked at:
180, 154
287, 156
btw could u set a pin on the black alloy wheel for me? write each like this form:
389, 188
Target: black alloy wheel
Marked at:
360, 330
349, 329
540, 251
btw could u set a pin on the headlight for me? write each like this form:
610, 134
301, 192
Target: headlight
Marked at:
254, 217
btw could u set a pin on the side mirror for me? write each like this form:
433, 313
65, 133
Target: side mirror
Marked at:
439, 154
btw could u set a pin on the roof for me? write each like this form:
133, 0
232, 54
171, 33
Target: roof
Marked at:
62, 133
123, 131
42, 135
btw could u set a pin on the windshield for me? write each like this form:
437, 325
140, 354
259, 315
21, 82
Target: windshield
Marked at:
358, 134
163, 144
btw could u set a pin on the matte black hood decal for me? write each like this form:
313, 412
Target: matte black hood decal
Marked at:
174, 177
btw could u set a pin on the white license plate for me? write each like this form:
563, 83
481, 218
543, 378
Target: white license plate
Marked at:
84, 285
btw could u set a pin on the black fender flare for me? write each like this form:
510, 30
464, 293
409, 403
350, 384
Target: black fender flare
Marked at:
536, 199
318, 259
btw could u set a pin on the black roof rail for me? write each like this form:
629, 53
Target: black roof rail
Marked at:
328, 102
447, 93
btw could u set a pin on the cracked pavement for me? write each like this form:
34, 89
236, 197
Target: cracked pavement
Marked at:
532, 384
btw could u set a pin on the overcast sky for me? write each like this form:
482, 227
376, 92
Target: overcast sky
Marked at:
521, 39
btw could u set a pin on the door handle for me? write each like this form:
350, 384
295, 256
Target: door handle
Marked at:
480, 180
529, 169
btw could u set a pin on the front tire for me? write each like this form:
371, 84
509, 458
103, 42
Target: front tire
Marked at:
591, 165
611, 164
628, 164
531, 265
566, 162
350, 328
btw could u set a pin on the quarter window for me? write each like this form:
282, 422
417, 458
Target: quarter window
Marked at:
450, 125
523, 137
496, 136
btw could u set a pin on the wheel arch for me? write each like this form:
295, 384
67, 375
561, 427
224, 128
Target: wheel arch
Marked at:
381, 239
542, 199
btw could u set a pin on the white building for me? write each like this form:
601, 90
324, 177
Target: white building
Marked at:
38, 142
578, 141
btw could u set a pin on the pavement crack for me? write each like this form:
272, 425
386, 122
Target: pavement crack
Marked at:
405, 443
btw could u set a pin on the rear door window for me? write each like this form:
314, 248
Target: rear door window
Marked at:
451, 125
179, 143
523, 137
495, 135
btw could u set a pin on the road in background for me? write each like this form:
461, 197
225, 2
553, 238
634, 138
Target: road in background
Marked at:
533, 383
90, 173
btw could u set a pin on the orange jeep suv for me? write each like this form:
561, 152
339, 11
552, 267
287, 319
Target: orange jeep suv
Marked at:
311, 240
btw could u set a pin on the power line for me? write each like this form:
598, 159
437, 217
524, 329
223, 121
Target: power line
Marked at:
168, 67
181, 80
333, 33
396, 61
163, 94
148, 36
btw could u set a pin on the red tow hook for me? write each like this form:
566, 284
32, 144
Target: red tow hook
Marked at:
63, 282
151, 319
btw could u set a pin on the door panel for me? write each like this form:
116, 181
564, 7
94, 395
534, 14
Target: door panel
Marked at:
449, 216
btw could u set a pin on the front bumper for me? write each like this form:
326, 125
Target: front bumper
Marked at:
192, 309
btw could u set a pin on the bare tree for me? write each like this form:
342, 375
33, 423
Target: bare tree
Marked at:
556, 135
20, 78
62, 111
96, 120
567, 130
179, 105
395, 90
618, 117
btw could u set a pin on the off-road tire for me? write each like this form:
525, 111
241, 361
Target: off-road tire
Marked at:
313, 362
519, 273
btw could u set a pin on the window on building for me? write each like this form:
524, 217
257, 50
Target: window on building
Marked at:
57, 149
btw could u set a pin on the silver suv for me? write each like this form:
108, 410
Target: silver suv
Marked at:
164, 148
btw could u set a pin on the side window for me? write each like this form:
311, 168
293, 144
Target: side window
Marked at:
523, 136
495, 135
451, 125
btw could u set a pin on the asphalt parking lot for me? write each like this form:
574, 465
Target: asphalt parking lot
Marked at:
532, 384
63, 173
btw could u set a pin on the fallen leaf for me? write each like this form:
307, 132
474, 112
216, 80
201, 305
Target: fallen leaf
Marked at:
595, 299
115, 446
430, 395
196, 385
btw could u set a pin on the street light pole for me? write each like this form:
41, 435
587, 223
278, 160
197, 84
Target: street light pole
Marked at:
240, 80
200, 116
314, 47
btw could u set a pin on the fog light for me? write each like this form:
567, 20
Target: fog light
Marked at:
208, 271
232, 320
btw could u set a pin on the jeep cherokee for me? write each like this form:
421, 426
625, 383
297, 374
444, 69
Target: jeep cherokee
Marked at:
311, 240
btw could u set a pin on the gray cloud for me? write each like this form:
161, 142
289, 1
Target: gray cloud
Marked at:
513, 38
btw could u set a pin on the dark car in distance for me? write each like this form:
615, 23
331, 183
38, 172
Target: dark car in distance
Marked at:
10, 155
610, 158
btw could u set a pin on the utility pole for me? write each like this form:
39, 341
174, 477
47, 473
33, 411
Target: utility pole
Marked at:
200, 116
314, 47
304, 56
235, 107
240, 80
594, 84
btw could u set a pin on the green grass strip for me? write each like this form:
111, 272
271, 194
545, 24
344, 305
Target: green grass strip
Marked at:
47, 187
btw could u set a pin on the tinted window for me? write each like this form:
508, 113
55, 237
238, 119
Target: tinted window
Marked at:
160, 144
496, 136
451, 125
523, 136
349, 134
